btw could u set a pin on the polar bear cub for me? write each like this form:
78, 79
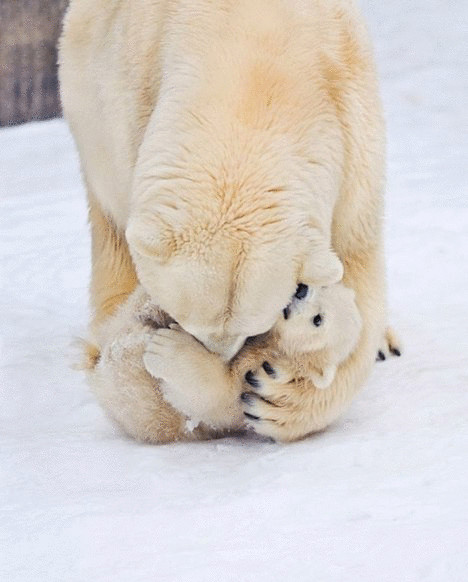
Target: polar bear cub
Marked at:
325, 322
139, 376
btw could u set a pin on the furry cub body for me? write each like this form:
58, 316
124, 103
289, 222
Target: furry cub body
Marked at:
228, 143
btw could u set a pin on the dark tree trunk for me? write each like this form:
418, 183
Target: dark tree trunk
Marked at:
29, 30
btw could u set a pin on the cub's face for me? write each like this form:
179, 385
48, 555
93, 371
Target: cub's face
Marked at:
318, 318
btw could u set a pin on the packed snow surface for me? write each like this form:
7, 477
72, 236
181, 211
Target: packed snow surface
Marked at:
380, 496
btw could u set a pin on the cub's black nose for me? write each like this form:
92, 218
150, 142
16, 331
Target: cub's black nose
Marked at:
301, 291
317, 320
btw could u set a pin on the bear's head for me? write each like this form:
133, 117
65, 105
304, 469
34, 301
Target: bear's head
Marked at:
223, 282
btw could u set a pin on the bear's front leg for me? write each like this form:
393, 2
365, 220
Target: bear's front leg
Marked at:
195, 381
390, 345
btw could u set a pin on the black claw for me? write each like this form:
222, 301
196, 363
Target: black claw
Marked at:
251, 416
381, 356
301, 291
251, 379
268, 369
246, 397
286, 312
395, 352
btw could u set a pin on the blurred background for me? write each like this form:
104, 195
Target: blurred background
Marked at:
29, 30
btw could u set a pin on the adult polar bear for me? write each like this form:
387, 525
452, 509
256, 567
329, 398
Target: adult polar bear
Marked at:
222, 139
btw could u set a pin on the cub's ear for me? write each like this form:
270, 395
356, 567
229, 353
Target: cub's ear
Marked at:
149, 238
323, 379
322, 268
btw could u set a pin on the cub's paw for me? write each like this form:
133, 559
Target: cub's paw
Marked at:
176, 357
168, 351
191, 375
271, 401
390, 346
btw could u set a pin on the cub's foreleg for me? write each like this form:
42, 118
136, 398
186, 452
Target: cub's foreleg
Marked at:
117, 375
196, 382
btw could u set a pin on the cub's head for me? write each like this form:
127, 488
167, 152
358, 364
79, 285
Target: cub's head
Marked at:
321, 318
223, 284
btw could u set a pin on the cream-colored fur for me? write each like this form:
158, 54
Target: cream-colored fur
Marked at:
189, 392
199, 384
129, 394
320, 330
226, 142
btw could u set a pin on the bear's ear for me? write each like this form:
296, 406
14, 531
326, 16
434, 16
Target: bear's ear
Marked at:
150, 238
322, 268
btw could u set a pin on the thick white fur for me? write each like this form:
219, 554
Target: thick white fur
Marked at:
229, 140
321, 349
151, 354
135, 400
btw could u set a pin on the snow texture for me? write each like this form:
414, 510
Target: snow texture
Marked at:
380, 496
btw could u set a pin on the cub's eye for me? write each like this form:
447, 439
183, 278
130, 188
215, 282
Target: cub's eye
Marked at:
317, 321
301, 291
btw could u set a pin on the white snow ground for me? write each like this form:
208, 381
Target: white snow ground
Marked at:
381, 496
